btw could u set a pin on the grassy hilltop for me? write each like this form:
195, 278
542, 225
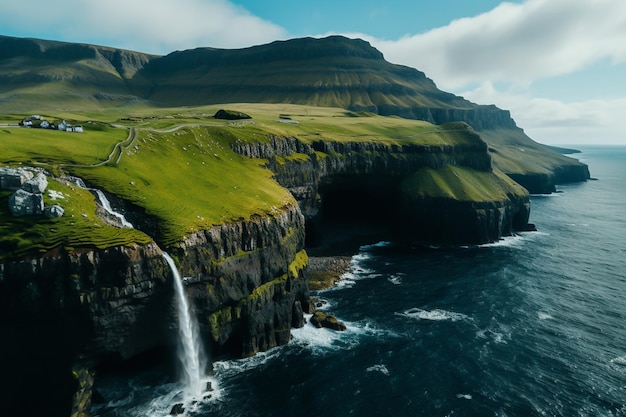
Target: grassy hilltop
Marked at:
178, 166
65, 78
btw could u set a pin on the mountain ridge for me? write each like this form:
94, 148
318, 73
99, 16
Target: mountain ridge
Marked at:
335, 71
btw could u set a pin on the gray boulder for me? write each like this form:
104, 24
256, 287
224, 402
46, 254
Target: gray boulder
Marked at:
37, 184
52, 212
23, 203
13, 178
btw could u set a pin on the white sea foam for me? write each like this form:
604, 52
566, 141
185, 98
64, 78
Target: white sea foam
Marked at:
544, 316
395, 279
507, 241
433, 315
224, 369
356, 272
309, 335
620, 361
382, 244
379, 368
501, 335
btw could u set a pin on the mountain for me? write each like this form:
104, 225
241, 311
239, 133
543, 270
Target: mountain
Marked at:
332, 72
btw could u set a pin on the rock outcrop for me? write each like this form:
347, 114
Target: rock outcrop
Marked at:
24, 203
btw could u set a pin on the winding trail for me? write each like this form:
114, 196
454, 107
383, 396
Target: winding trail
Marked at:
118, 149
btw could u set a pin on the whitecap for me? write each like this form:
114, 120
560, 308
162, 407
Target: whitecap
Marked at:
311, 336
507, 241
381, 244
620, 360
235, 366
433, 315
495, 336
544, 316
323, 340
379, 368
464, 396
395, 279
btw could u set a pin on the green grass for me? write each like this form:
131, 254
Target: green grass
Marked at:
179, 167
52, 147
190, 180
79, 226
461, 184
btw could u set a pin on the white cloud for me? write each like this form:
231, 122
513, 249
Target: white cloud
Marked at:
514, 45
557, 122
155, 26
517, 43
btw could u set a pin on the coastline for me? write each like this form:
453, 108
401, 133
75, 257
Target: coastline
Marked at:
323, 272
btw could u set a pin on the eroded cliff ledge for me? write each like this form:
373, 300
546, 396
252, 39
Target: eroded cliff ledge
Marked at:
446, 193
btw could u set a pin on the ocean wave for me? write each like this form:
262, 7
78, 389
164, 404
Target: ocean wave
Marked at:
544, 316
381, 244
224, 369
433, 315
395, 279
507, 241
618, 364
379, 368
133, 401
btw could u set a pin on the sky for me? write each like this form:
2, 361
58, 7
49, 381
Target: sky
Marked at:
559, 66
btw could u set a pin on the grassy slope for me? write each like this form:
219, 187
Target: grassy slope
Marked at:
462, 184
515, 154
180, 167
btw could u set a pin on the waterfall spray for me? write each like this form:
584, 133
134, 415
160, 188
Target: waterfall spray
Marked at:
191, 354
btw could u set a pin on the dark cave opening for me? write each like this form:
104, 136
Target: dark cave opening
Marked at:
355, 210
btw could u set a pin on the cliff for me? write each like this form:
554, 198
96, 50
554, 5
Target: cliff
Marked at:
89, 307
396, 190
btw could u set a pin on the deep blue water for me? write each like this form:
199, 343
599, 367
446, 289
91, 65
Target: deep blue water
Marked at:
534, 325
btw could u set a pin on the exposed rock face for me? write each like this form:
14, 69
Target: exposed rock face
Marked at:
244, 280
36, 185
24, 203
13, 178
52, 212
361, 181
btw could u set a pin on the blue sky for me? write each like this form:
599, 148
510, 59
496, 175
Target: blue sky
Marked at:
559, 66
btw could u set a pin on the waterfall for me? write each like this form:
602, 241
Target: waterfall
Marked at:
191, 354
106, 205
103, 201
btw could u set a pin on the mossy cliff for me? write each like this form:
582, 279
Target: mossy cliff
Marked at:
447, 193
103, 306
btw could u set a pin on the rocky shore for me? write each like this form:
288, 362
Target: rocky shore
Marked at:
324, 272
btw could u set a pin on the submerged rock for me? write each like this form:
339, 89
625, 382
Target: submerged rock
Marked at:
177, 409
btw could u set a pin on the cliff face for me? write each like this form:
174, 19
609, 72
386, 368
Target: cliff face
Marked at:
244, 279
362, 183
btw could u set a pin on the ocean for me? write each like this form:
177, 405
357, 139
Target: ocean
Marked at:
533, 325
